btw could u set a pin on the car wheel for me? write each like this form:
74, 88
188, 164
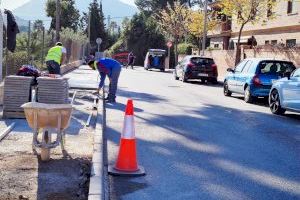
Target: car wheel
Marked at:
202, 80
274, 103
162, 70
175, 75
248, 98
214, 81
227, 92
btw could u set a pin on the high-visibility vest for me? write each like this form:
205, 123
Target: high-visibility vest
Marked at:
55, 54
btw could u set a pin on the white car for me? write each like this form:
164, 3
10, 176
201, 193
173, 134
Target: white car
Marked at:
285, 94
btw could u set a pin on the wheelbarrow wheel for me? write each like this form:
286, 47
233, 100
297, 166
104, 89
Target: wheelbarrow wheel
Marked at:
45, 152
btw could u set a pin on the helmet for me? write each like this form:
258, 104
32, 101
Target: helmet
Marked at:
58, 44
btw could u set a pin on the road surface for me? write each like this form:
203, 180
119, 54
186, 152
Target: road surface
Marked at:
197, 144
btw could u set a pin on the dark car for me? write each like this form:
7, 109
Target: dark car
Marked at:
197, 67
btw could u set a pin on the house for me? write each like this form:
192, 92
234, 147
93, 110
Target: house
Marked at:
284, 30
219, 38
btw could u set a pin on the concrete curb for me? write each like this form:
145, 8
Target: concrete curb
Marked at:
96, 190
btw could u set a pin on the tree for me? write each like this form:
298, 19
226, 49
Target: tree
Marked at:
154, 6
69, 14
113, 27
83, 23
247, 11
125, 23
196, 27
138, 36
97, 27
173, 21
38, 25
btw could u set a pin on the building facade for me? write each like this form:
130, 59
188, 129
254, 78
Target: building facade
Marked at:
284, 30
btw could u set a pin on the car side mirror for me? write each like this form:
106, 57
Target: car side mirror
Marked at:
288, 75
230, 70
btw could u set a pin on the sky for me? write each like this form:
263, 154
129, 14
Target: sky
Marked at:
12, 4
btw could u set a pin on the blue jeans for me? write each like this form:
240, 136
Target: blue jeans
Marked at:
113, 85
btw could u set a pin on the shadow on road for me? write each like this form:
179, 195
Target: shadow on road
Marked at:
215, 153
141, 96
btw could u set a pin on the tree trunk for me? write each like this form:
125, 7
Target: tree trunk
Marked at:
200, 45
238, 48
176, 51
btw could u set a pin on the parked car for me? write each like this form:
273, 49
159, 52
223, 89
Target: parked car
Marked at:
285, 94
155, 59
253, 77
196, 67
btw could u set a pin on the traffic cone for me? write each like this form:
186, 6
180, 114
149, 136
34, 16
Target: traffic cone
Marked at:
127, 164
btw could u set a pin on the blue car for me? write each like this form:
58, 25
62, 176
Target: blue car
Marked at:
254, 77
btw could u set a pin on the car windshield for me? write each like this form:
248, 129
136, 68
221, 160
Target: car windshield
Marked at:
276, 67
201, 61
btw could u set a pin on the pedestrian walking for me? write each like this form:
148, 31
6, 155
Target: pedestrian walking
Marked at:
55, 58
131, 59
111, 68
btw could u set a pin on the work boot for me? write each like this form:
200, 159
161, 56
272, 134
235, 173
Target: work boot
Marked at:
111, 101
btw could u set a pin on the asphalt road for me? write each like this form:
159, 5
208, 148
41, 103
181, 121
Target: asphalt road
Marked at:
197, 144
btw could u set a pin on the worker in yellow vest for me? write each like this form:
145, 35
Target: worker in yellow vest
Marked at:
55, 58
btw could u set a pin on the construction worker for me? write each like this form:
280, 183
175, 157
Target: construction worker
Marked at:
111, 68
55, 57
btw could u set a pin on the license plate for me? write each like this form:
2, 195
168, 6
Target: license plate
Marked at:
201, 74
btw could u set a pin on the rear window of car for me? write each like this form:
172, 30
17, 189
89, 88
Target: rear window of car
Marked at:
202, 61
275, 67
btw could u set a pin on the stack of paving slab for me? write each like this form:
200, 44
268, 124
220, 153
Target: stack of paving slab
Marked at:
17, 91
53, 90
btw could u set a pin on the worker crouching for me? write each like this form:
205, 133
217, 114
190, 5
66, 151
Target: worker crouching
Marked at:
112, 69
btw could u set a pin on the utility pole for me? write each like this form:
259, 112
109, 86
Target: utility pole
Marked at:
43, 50
1, 45
205, 28
29, 42
57, 24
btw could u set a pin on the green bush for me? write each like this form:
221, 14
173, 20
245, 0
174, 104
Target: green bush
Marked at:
185, 48
14, 62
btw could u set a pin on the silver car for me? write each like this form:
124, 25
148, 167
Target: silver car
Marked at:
285, 94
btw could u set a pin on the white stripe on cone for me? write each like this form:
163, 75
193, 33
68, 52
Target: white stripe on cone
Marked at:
128, 128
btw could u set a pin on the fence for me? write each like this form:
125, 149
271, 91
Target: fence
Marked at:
32, 46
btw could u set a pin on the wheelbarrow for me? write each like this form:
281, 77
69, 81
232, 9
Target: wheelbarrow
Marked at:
47, 119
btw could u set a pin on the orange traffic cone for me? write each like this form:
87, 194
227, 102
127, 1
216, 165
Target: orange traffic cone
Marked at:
127, 164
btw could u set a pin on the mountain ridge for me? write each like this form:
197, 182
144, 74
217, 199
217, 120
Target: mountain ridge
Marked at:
115, 8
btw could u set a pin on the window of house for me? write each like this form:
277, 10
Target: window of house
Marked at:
273, 42
267, 42
291, 43
290, 6
216, 45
